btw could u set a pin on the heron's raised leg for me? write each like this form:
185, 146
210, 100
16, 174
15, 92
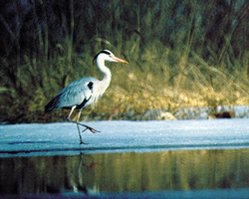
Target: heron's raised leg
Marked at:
79, 124
86, 127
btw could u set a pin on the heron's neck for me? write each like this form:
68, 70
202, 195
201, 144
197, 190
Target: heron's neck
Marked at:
106, 71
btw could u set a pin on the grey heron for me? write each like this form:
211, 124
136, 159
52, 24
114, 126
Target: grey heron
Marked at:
85, 91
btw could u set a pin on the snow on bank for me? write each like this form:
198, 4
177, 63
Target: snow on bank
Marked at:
62, 138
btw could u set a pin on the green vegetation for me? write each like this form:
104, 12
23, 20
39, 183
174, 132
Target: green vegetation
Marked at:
181, 54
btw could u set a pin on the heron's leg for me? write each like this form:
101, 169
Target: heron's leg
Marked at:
77, 124
69, 116
86, 127
78, 115
81, 141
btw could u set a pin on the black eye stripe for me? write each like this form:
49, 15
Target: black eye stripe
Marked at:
105, 52
102, 51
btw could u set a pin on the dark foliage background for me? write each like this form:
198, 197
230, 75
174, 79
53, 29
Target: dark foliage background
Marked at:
181, 53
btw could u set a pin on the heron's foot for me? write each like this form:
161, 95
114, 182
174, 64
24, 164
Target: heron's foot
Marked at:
86, 127
89, 128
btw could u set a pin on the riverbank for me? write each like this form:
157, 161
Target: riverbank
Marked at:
135, 104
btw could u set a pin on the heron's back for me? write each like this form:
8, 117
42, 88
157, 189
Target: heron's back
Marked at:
76, 93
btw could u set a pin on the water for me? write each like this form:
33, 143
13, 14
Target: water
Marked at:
95, 174
180, 159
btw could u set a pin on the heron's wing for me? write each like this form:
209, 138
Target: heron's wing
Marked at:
78, 93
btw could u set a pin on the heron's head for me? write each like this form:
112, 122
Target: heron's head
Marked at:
107, 55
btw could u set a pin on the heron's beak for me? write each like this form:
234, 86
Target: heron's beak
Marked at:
119, 60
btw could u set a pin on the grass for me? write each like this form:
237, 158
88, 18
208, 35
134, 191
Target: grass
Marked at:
136, 88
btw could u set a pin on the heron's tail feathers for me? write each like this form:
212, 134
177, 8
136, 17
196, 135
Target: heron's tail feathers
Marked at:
53, 104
